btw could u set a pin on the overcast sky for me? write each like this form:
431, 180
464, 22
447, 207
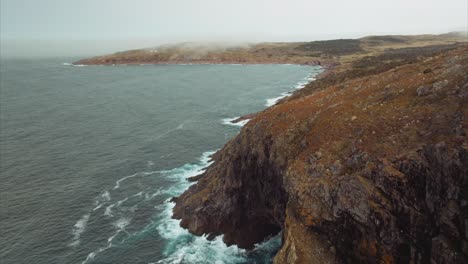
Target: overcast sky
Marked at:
91, 27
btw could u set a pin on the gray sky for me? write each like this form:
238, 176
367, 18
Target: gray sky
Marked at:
91, 27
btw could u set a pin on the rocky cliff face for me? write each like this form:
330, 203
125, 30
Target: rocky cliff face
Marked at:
372, 169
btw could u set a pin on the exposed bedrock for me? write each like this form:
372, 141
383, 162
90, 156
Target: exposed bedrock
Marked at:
248, 203
370, 170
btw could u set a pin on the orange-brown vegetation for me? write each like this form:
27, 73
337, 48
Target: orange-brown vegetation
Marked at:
369, 164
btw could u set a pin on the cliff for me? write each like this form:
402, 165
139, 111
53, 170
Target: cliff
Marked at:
369, 164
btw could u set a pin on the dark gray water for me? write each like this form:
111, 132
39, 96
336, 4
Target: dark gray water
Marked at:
90, 156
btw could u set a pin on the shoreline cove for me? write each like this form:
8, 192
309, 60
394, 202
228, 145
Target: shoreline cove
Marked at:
268, 247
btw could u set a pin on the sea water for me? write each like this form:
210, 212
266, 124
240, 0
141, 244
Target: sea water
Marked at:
91, 156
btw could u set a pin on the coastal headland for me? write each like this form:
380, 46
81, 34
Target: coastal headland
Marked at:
367, 164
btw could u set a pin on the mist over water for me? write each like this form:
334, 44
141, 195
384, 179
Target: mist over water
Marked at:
90, 156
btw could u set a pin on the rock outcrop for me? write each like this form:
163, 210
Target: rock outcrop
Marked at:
371, 169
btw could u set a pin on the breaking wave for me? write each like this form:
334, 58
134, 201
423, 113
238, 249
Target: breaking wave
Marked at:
311, 77
230, 121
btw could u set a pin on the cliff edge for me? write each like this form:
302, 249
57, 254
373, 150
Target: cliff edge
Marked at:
367, 165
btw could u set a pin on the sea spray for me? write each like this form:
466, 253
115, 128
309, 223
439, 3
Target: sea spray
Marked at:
183, 247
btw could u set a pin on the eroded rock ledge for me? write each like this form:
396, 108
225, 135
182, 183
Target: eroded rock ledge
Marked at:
373, 169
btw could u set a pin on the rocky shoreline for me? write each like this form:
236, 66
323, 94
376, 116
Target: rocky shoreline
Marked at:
368, 164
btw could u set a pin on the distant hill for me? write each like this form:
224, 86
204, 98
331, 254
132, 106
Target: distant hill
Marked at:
324, 52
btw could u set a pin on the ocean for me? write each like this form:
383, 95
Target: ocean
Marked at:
90, 156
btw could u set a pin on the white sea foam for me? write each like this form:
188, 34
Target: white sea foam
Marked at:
230, 121
124, 214
93, 254
182, 247
122, 223
140, 174
78, 229
140, 194
273, 101
97, 207
147, 196
73, 65
299, 85
110, 239
108, 210
106, 196
101, 200
179, 127
120, 202
160, 191
119, 224
117, 183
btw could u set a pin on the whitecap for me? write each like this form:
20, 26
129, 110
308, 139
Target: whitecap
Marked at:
108, 210
273, 101
147, 196
110, 239
121, 223
183, 247
120, 202
140, 194
179, 127
97, 207
106, 195
78, 229
299, 85
160, 191
230, 121
117, 183
181, 174
93, 254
